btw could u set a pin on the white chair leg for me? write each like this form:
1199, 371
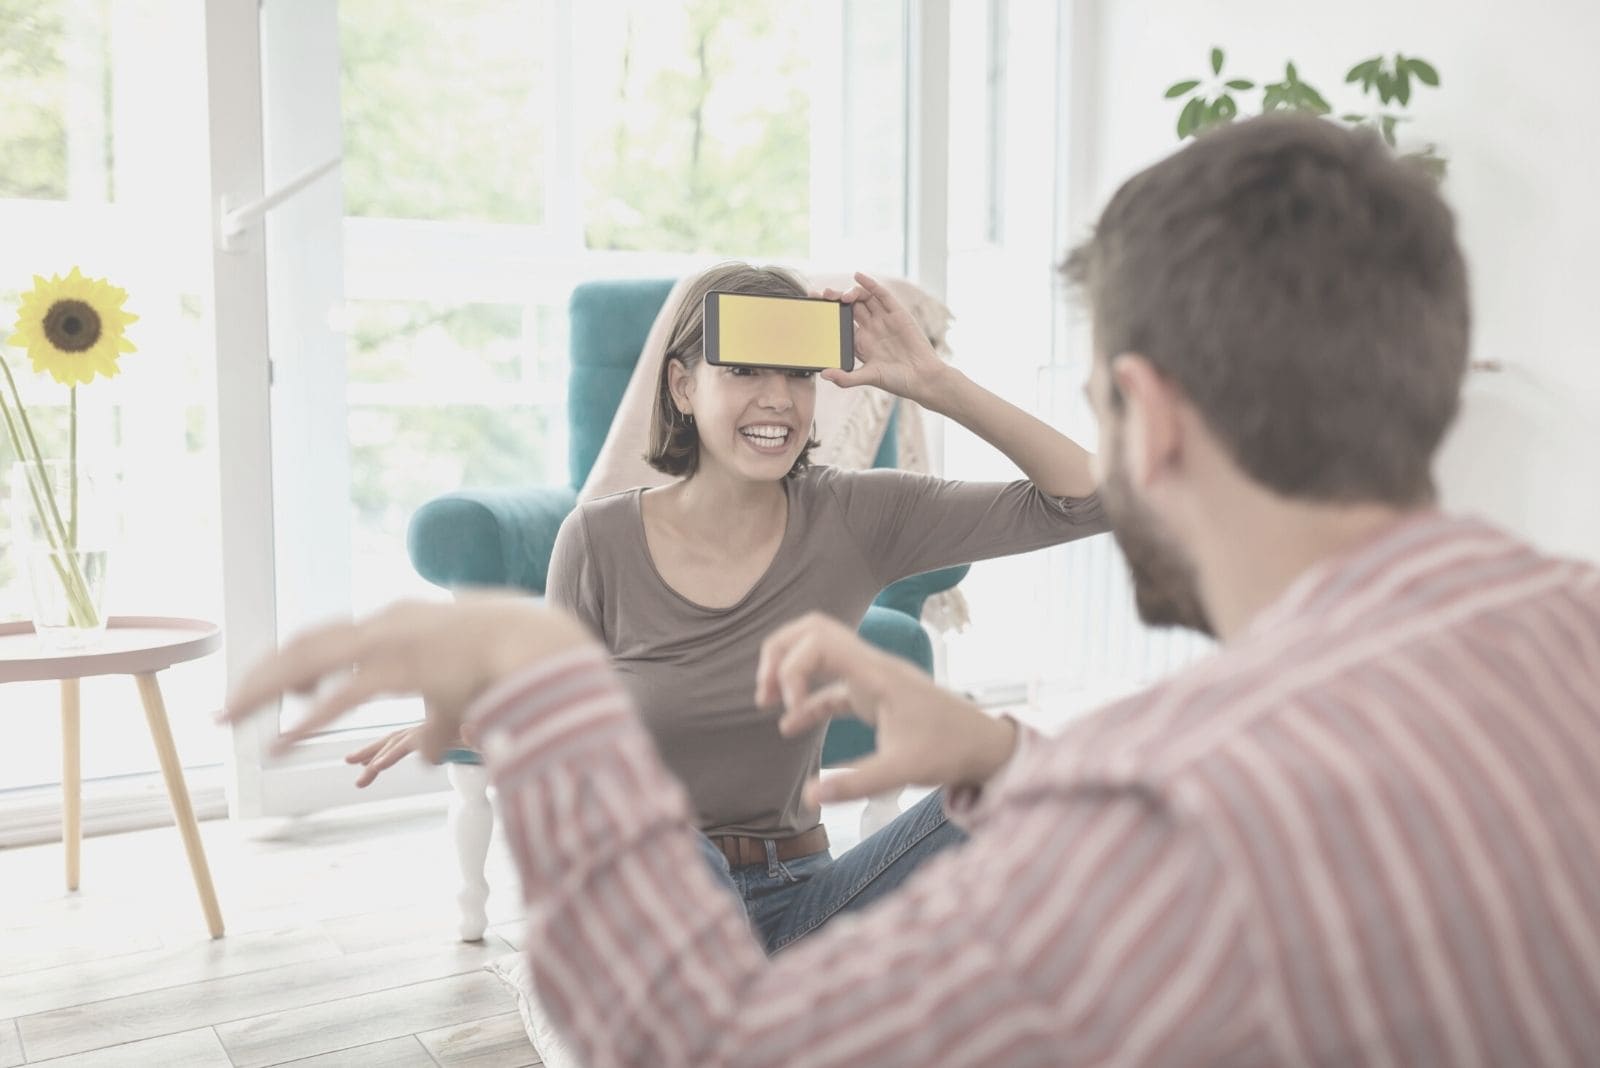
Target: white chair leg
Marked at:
880, 810
471, 825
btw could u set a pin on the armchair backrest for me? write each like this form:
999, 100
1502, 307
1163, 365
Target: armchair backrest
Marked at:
608, 322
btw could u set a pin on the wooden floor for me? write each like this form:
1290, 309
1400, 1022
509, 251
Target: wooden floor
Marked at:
340, 950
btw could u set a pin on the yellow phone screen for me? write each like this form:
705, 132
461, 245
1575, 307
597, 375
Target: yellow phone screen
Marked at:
777, 331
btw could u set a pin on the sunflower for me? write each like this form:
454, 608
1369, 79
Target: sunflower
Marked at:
73, 327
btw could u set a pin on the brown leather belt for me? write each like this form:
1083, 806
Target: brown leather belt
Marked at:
743, 850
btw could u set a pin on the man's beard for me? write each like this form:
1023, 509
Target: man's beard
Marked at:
1164, 583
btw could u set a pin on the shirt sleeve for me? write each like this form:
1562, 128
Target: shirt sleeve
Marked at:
574, 577
908, 523
1077, 926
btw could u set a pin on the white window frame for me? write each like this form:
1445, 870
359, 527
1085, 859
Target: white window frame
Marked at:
258, 141
1093, 611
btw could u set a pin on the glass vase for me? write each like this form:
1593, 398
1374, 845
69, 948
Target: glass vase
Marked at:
62, 523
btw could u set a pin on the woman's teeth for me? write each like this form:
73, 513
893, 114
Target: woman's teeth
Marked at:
767, 436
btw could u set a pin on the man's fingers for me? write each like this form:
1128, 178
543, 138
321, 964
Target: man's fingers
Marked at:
866, 777
797, 652
296, 668
817, 708
799, 664
775, 649
360, 689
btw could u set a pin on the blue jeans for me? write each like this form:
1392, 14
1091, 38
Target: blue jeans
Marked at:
787, 900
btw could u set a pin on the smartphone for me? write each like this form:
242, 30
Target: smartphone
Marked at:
786, 333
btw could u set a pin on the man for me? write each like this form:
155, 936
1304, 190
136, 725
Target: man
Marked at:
1367, 831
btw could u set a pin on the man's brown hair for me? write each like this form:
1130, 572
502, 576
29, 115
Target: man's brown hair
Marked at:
1305, 290
674, 445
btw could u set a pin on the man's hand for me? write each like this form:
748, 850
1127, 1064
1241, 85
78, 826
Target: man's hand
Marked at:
448, 654
818, 669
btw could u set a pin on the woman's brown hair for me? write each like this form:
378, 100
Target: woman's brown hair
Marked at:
674, 445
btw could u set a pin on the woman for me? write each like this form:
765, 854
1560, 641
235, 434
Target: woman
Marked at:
683, 582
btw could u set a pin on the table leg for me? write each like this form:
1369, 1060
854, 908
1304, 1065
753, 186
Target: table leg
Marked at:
71, 780
155, 712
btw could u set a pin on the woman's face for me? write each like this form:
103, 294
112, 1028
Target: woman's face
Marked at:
752, 421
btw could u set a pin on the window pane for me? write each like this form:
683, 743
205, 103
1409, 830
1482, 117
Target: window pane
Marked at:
448, 347
874, 135
55, 117
441, 397
443, 111
698, 122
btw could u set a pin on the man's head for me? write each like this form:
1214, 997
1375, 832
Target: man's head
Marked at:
1292, 292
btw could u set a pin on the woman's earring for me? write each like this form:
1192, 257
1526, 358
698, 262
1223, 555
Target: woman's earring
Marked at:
688, 417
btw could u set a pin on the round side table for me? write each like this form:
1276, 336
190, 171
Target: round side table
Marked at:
139, 646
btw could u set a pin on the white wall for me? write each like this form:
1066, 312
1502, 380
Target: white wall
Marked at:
1516, 114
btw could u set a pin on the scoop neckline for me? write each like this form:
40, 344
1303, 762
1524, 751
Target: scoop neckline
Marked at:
650, 559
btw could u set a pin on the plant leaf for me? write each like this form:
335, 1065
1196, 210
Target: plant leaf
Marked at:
1291, 75
1403, 89
1241, 83
1182, 87
1385, 86
1387, 124
1272, 100
1361, 71
1424, 71
1224, 109
1189, 117
1216, 61
1313, 100
1353, 117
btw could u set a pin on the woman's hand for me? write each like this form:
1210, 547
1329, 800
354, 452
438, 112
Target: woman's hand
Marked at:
892, 352
818, 669
895, 355
385, 753
447, 654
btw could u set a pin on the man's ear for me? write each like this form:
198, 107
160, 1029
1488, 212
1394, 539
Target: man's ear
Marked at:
680, 385
1151, 423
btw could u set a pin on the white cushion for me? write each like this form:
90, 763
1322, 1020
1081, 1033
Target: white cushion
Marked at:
512, 970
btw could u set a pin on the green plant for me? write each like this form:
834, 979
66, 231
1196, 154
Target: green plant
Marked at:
1390, 78
1200, 111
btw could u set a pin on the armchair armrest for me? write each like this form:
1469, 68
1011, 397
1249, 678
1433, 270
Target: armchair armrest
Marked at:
490, 537
908, 594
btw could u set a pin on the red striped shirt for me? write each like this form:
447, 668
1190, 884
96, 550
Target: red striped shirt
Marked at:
1368, 832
